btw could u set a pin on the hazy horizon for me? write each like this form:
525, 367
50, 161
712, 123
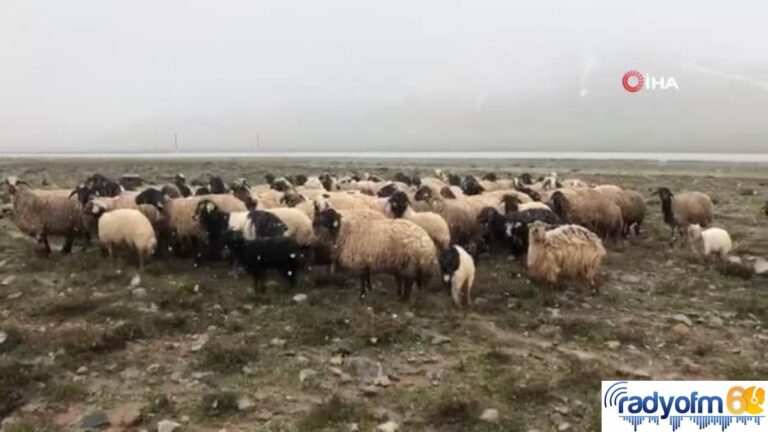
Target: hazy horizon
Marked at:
94, 76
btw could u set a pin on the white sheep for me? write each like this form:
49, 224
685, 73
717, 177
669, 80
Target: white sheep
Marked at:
127, 227
566, 252
710, 241
40, 213
432, 223
458, 270
366, 247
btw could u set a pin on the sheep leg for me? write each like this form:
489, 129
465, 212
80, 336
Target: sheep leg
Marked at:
258, 287
407, 285
86, 240
365, 283
399, 282
141, 261
67, 248
43, 239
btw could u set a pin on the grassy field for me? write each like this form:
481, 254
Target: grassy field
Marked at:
193, 346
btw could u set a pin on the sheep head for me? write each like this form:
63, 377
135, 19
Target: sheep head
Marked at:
537, 232
449, 262
387, 190
402, 178
423, 194
327, 223
454, 180
559, 204
471, 186
491, 176
511, 203
525, 179
399, 203
446, 192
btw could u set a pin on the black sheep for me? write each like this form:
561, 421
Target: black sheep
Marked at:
400, 177
181, 182
269, 253
471, 186
151, 196
516, 228
102, 186
217, 185
266, 224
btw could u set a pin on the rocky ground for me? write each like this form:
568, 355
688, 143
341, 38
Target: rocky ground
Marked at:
85, 344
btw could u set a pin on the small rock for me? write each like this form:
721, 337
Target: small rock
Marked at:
681, 318
439, 339
245, 404
490, 415
300, 298
95, 420
14, 296
631, 279
564, 426
130, 373
382, 381
168, 426
3, 337
125, 415
154, 367
681, 329
354, 427
200, 343
614, 344
139, 292
264, 415
336, 360
306, 374
82, 370
733, 259
716, 321
277, 342
8, 280
135, 280
370, 390
389, 426
3, 263
364, 368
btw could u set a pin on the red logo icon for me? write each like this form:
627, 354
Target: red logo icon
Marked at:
629, 78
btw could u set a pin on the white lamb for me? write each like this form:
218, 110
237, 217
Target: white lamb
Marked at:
710, 241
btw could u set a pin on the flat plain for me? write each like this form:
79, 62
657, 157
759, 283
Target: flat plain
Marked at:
193, 346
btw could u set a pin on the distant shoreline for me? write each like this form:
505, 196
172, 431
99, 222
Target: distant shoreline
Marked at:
608, 156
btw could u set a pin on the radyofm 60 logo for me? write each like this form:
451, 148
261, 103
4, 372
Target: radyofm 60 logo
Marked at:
640, 406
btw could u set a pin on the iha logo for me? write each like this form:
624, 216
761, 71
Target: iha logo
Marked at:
634, 81
682, 406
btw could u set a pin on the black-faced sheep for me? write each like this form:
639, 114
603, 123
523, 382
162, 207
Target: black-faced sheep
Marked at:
684, 209
366, 247
102, 186
512, 203
151, 196
127, 227
181, 182
266, 253
569, 252
460, 214
252, 224
216, 185
458, 270
39, 213
431, 222
590, 209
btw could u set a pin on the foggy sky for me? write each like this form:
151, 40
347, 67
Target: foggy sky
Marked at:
98, 75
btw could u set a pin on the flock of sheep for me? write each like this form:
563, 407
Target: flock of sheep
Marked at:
410, 227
